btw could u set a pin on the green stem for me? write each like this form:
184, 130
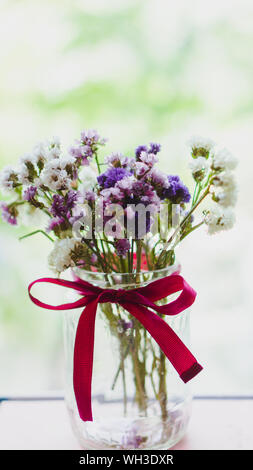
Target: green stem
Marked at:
162, 394
192, 230
183, 222
97, 162
33, 233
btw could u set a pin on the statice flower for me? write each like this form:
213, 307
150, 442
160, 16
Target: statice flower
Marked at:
124, 325
30, 193
140, 149
223, 160
60, 257
62, 205
141, 169
141, 192
132, 440
199, 167
122, 246
226, 198
9, 179
89, 196
111, 195
54, 148
200, 146
176, 192
56, 223
58, 173
153, 148
218, 219
224, 189
24, 175
119, 160
41, 154
158, 179
112, 176
150, 159
88, 179
9, 213
86, 147
225, 178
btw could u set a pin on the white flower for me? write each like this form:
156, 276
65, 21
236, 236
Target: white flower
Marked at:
117, 159
227, 198
225, 178
8, 177
54, 148
55, 176
46, 150
198, 142
88, 179
199, 164
148, 158
223, 159
60, 257
23, 174
26, 158
225, 191
218, 219
111, 192
126, 183
158, 177
40, 152
141, 168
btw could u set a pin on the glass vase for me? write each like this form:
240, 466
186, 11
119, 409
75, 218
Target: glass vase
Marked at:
138, 399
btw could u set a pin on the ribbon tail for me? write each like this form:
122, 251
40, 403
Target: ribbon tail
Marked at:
83, 360
178, 354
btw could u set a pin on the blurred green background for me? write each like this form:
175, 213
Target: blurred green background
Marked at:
137, 71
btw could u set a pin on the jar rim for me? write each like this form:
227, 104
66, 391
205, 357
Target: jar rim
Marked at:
173, 267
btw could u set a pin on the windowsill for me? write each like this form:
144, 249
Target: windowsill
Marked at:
216, 423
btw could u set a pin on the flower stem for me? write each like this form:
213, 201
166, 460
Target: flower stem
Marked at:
33, 233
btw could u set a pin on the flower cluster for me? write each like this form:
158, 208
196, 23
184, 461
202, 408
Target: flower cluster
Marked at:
74, 195
212, 169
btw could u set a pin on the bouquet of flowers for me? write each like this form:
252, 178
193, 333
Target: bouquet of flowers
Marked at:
119, 216
80, 202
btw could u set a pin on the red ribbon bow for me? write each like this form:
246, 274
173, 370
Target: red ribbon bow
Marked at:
137, 302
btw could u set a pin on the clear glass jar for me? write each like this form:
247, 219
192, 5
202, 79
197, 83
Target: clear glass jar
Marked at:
138, 399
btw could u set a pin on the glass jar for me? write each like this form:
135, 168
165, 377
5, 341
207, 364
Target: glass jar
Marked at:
138, 399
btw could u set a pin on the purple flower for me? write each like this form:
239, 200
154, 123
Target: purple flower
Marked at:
89, 196
177, 192
29, 193
125, 325
158, 179
148, 158
112, 176
141, 148
55, 223
118, 160
122, 247
154, 148
80, 153
87, 146
131, 440
9, 215
141, 192
71, 198
63, 204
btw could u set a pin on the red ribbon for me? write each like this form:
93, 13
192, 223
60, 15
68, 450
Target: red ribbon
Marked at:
137, 302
